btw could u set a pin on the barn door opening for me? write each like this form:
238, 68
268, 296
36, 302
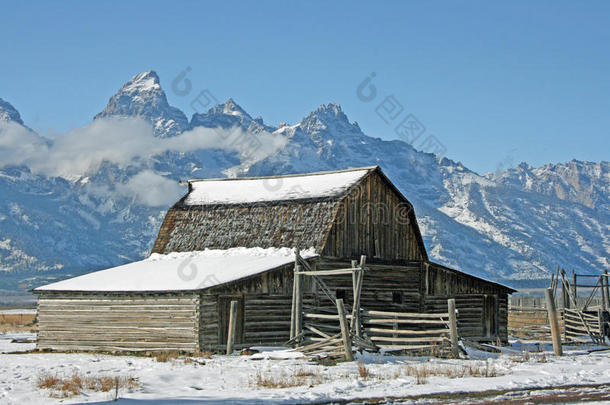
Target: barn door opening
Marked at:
490, 316
224, 308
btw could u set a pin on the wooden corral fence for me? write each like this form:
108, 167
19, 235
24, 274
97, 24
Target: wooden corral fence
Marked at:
331, 331
410, 332
582, 319
584, 327
529, 323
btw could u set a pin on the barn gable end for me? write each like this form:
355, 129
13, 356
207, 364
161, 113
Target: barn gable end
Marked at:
376, 220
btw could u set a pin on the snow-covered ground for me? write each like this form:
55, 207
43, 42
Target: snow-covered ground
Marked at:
239, 379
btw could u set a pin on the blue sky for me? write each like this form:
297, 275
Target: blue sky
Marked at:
497, 84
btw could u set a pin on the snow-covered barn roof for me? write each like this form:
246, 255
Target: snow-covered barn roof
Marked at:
186, 271
276, 211
277, 188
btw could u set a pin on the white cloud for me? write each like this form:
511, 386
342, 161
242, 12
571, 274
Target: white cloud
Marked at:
151, 189
124, 141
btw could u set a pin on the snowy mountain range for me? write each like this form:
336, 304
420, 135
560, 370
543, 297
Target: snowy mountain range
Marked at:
513, 226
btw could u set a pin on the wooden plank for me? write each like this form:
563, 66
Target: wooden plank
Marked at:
406, 314
317, 331
453, 330
334, 339
231, 331
409, 347
347, 342
326, 272
553, 322
408, 332
324, 316
406, 321
406, 340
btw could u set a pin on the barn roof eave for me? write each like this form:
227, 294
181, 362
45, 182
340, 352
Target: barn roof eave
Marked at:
505, 287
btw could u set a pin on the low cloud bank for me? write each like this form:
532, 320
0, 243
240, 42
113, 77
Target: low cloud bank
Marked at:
124, 141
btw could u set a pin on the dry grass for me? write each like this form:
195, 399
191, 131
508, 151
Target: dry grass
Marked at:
528, 356
206, 354
18, 319
66, 387
421, 372
6, 327
363, 371
17, 323
164, 357
299, 378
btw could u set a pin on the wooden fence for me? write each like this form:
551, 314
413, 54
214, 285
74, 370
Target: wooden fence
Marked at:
529, 323
533, 303
404, 331
584, 327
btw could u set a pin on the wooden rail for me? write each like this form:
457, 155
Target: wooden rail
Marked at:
391, 330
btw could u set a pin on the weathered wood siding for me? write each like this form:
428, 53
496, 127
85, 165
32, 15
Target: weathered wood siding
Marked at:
475, 301
118, 322
267, 302
374, 220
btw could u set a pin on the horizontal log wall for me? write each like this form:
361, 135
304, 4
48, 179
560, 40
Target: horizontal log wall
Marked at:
470, 315
379, 285
267, 305
118, 322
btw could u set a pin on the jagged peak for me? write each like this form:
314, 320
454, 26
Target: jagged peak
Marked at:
145, 81
229, 107
330, 109
327, 113
142, 96
9, 113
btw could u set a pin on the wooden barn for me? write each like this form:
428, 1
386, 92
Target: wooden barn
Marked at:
232, 240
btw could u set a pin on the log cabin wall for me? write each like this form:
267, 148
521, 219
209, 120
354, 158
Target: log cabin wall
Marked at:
265, 302
374, 220
118, 322
482, 306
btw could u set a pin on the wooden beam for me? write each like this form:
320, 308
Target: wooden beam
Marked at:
347, 342
337, 272
406, 314
294, 298
605, 292
453, 331
553, 322
231, 332
298, 323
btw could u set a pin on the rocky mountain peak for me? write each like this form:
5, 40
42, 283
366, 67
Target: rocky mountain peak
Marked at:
9, 113
228, 115
142, 96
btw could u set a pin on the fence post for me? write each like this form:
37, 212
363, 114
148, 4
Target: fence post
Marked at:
564, 290
231, 333
453, 331
294, 298
600, 317
574, 290
347, 341
553, 322
602, 285
298, 315
606, 289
